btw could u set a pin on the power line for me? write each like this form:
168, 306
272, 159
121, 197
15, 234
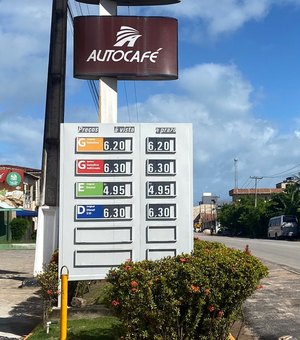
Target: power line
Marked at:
279, 174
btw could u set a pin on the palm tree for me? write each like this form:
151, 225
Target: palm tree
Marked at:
288, 202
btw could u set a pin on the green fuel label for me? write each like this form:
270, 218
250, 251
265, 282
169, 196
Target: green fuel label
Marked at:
89, 189
103, 189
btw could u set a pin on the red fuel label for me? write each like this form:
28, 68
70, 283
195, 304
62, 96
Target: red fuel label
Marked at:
89, 166
106, 167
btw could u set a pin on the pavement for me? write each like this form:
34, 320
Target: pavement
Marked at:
20, 305
271, 313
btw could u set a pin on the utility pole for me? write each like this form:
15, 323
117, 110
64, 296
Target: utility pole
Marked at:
47, 235
256, 178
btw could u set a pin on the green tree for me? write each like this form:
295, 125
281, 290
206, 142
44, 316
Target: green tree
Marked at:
243, 218
287, 202
18, 228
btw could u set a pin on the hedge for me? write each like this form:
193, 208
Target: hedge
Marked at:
190, 296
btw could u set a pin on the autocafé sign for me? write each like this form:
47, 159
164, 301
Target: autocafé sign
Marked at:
126, 47
134, 2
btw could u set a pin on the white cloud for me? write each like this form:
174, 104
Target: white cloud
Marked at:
217, 100
219, 16
23, 136
24, 37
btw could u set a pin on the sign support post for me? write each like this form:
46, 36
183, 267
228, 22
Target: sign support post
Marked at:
108, 87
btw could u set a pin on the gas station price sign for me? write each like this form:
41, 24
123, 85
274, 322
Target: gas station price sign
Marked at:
160, 189
161, 167
161, 211
104, 167
103, 189
97, 212
160, 145
126, 192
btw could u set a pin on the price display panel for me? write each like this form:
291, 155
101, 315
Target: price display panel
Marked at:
113, 212
160, 189
103, 189
160, 145
103, 144
104, 167
161, 167
161, 211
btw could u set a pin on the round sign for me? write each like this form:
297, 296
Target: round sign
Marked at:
13, 179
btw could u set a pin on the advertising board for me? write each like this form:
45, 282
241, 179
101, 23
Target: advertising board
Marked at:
125, 193
126, 47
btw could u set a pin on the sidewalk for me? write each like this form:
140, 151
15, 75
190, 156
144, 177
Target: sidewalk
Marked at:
273, 311
20, 308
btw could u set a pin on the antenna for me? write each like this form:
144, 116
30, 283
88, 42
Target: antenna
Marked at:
236, 184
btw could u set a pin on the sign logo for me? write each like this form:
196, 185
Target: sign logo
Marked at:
13, 179
127, 35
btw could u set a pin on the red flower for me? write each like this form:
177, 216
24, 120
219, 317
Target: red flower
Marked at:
211, 308
134, 290
182, 260
207, 291
221, 314
115, 303
127, 267
195, 289
133, 284
49, 292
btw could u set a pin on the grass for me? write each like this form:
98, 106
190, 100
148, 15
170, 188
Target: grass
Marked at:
102, 328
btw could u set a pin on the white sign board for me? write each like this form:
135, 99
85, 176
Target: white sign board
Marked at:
125, 193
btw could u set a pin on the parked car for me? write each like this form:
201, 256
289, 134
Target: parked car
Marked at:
224, 232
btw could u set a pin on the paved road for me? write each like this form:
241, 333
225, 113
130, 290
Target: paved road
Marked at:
285, 253
20, 308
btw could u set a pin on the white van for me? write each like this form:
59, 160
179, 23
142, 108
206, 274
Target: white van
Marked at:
283, 226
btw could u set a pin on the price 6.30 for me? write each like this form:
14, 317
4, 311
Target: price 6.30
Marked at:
117, 167
160, 167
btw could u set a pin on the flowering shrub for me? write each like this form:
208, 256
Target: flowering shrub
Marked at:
195, 296
49, 283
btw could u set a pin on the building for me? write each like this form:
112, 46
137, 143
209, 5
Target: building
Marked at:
264, 193
206, 213
19, 196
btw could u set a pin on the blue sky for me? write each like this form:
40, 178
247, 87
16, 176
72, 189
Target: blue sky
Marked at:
239, 84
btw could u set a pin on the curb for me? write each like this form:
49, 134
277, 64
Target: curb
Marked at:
17, 246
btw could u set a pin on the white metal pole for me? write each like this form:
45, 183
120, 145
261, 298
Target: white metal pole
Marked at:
108, 86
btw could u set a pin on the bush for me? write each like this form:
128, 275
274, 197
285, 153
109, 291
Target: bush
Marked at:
49, 283
194, 296
18, 228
